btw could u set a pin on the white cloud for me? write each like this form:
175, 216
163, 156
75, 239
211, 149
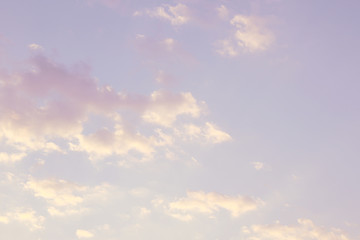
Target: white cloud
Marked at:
56, 192
208, 133
66, 211
33, 119
304, 229
10, 158
250, 35
210, 203
214, 135
165, 107
258, 165
144, 212
35, 47
223, 12
81, 233
28, 217
176, 15
104, 143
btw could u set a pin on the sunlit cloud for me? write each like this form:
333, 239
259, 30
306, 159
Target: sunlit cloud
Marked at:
304, 229
81, 233
250, 35
35, 47
177, 14
208, 204
26, 216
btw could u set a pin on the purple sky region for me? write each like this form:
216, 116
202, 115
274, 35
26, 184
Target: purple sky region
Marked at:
186, 119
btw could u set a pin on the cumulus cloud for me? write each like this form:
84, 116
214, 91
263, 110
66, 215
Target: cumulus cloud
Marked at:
210, 203
81, 233
304, 229
176, 15
48, 103
250, 35
28, 217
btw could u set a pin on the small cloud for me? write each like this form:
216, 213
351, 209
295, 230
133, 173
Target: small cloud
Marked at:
258, 165
210, 203
214, 135
169, 44
35, 47
223, 12
80, 233
176, 15
250, 35
140, 36
209, 133
144, 212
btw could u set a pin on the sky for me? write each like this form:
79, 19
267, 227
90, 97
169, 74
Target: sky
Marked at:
184, 119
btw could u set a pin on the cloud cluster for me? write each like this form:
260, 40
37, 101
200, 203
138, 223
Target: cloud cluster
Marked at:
47, 101
304, 229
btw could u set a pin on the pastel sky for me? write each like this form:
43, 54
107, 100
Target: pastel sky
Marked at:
184, 119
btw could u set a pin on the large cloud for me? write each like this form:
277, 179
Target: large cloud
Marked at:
48, 101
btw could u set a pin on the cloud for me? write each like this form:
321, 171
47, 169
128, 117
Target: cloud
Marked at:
176, 15
57, 192
223, 12
35, 47
165, 107
80, 233
28, 217
208, 133
144, 212
49, 101
258, 165
120, 141
64, 198
304, 229
47, 104
250, 35
210, 203
10, 158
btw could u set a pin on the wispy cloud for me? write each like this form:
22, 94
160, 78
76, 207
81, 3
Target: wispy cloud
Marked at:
208, 204
177, 14
26, 216
304, 229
